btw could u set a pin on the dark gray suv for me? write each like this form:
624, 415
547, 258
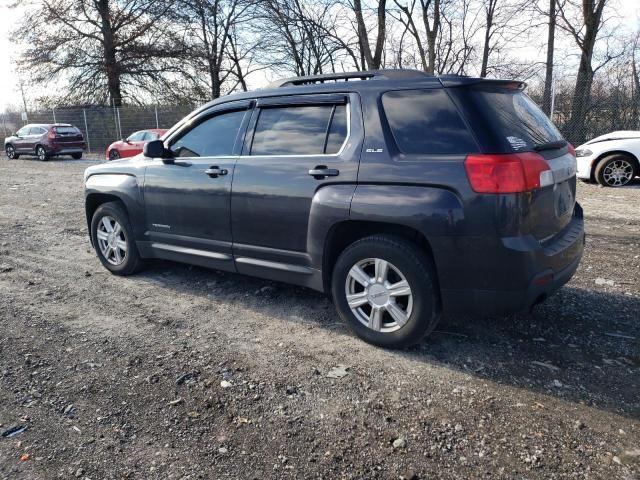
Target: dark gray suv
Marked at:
400, 194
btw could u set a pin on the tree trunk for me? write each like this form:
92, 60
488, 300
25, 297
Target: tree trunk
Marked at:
548, 79
592, 13
372, 60
490, 9
431, 31
111, 66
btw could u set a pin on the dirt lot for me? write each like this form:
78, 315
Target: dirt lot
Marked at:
181, 372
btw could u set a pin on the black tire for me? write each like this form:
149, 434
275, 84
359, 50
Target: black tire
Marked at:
132, 262
76, 156
418, 270
618, 161
114, 154
42, 154
11, 152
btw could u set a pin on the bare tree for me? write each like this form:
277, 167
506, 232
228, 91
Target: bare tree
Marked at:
584, 34
212, 38
373, 60
548, 78
105, 49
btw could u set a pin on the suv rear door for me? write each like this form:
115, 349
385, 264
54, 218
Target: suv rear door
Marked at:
506, 120
289, 139
187, 197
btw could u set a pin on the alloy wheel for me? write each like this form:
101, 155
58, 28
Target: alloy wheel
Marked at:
11, 153
114, 155
379, 295
111, 240
618, 173
41, 154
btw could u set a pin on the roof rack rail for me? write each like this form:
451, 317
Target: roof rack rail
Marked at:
346, 76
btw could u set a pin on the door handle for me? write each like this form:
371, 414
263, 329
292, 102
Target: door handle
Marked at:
214, 171
321, 171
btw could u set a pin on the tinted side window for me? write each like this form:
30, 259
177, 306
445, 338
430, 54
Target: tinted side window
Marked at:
292, 130
426, 122
23, 132
36, 131
215, 136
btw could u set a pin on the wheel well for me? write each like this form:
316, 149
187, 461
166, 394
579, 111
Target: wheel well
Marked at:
615, 152
94, 200
344, 234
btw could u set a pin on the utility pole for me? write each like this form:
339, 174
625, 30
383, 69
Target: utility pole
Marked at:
24, 101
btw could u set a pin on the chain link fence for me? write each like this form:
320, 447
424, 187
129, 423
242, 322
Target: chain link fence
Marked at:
103, 125
100, 125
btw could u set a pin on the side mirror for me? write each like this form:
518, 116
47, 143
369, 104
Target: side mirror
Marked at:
155, 149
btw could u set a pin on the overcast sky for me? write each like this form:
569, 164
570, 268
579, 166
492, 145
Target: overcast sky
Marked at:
10, 94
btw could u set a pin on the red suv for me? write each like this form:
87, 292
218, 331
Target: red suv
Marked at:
45, 141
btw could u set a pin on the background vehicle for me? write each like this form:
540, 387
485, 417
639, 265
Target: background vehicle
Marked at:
375, 191
45, 141
133, 144
611, 159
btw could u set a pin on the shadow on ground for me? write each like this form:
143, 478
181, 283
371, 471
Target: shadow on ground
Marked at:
580, 345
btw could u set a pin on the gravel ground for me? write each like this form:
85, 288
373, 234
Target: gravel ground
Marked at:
182, 372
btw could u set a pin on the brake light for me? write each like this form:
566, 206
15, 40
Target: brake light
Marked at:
507, 173
572, 150
52, 134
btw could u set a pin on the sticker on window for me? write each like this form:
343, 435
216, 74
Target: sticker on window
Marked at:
517, 143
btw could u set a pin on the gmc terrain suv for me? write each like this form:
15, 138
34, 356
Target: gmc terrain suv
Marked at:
398, 193
45, 141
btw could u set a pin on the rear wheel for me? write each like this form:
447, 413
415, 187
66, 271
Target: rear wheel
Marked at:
615, 170
114, 155
76, 156
113, 240
11, 152
41, 153
384, 288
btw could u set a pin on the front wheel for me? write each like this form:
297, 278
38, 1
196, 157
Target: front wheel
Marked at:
11, 152
114, 154
615, 170
384, 287
113, 239
41, 153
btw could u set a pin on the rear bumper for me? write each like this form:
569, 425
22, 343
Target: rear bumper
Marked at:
66, 149
542, 270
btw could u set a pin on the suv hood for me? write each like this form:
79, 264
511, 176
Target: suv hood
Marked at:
125, 166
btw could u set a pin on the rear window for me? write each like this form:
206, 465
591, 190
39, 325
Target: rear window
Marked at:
426, 122
66, 130
517, 119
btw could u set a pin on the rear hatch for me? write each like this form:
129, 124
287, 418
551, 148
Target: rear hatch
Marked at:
68, 136
507, 122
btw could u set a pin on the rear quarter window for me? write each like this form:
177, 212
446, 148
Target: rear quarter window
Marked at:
426, 122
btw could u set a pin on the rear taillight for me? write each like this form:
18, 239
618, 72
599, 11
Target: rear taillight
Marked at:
508, 173
572, 149
52, 134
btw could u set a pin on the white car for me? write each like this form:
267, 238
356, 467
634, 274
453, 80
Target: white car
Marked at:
611, 159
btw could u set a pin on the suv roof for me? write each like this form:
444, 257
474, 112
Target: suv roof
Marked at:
360, 81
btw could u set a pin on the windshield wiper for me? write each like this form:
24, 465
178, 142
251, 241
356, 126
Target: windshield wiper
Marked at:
550, 145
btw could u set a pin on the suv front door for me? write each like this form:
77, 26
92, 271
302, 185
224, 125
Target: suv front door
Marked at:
22, 140
187, 197
273, 185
